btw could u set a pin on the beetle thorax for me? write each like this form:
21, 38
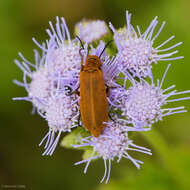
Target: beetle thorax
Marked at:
92, 63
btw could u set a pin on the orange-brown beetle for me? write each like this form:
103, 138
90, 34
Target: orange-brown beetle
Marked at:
93, 100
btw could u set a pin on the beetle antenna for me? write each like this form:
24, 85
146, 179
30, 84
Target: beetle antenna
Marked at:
80, 42
81, 45
105, 48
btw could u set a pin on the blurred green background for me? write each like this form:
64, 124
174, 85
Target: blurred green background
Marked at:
21, 162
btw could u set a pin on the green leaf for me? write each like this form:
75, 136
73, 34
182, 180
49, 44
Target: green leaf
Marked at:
88, 153
75, 138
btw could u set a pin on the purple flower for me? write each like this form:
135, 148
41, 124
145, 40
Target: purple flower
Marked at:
62, 52
62, 114
90, 31
39, 88
112, 143
136, 48
144, 104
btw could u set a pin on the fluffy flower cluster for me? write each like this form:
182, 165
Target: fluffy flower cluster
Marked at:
90, 31
53, 86
137, 49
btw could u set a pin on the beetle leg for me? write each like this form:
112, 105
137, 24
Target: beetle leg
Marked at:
70, 92
111, 117
107, 90
79, 120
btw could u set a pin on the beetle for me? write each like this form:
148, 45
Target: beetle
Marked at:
93, 99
